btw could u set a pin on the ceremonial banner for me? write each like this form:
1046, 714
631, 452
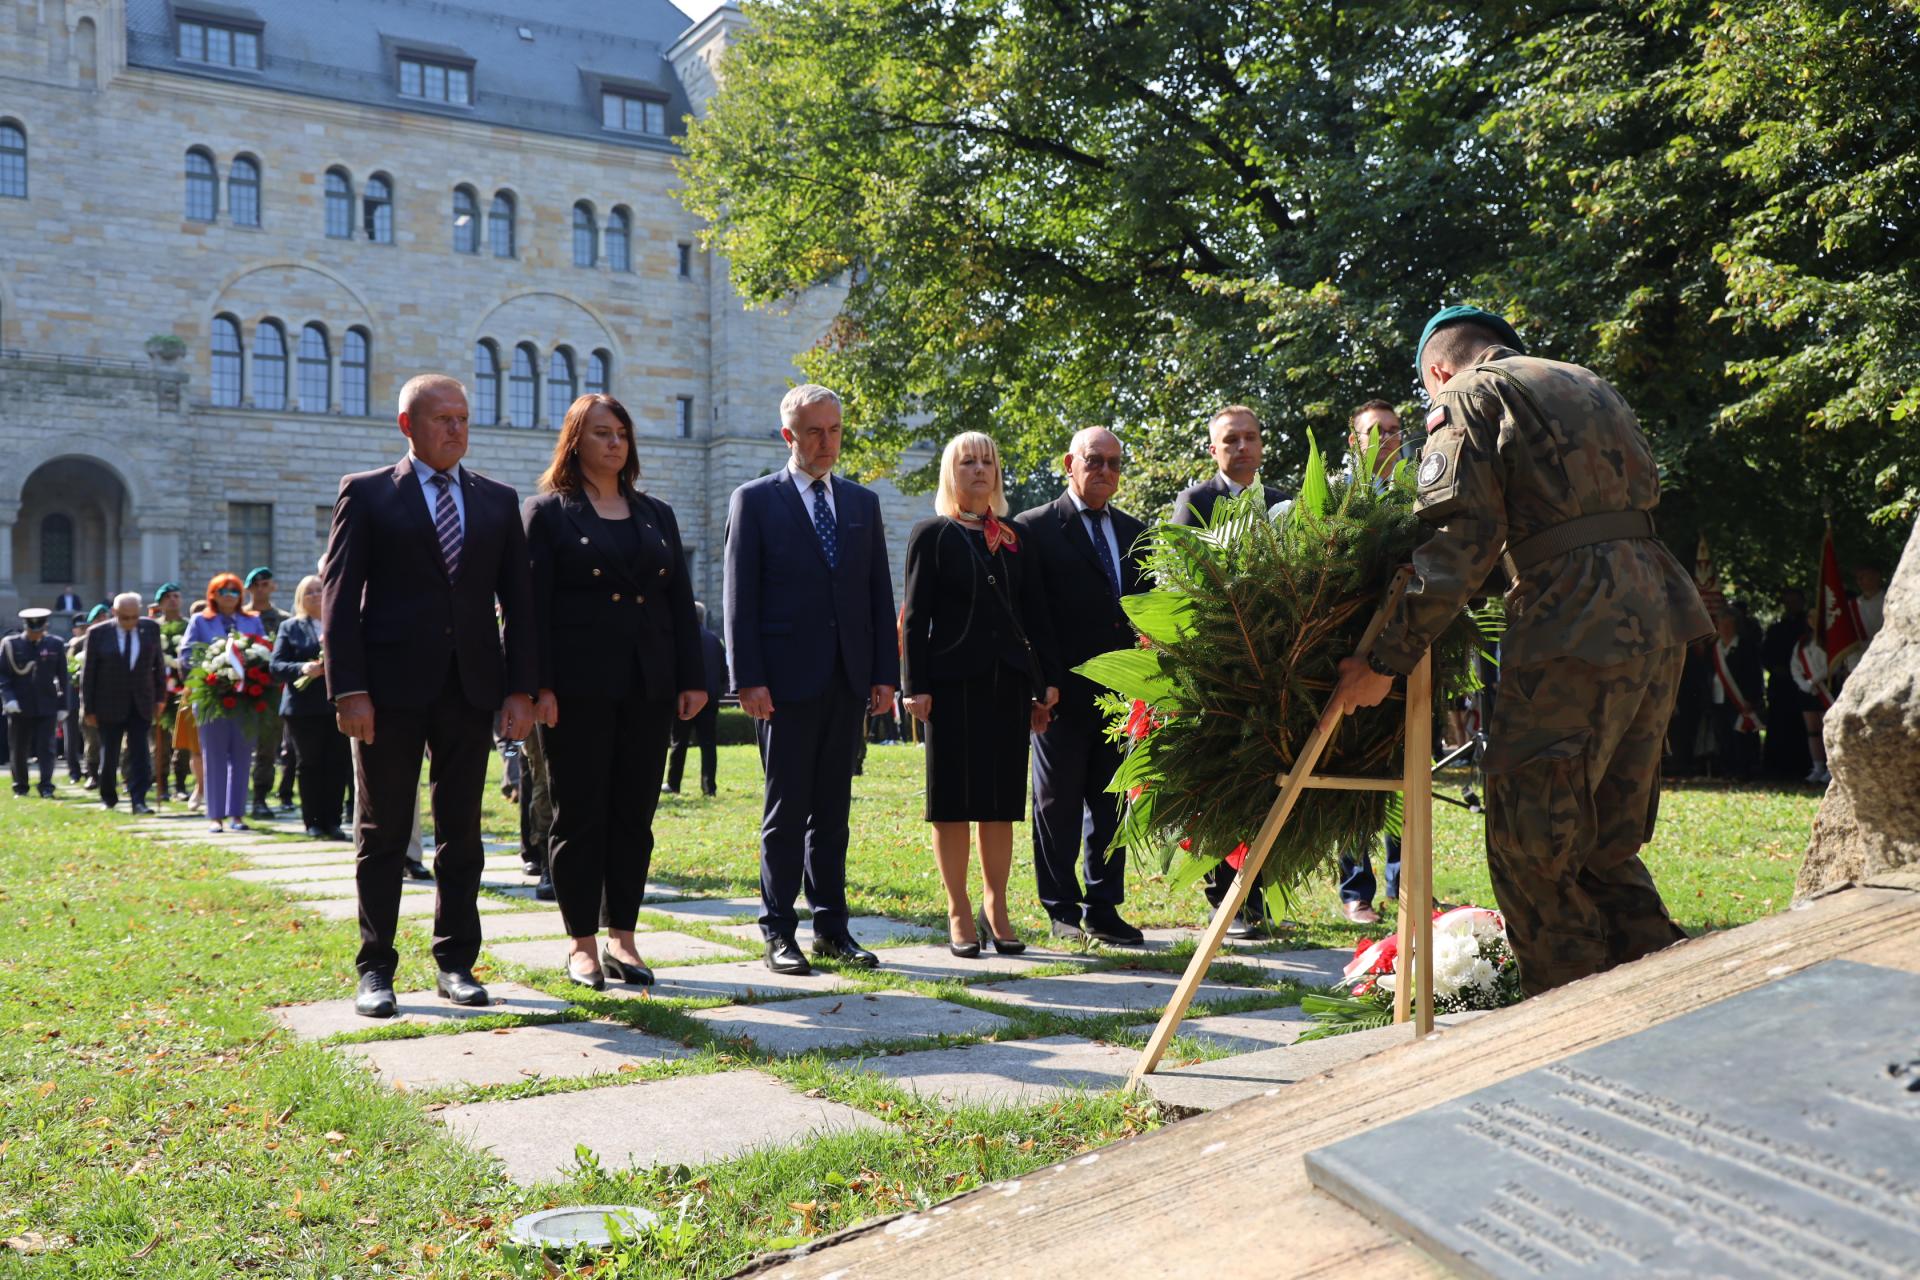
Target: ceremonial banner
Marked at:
1838, 625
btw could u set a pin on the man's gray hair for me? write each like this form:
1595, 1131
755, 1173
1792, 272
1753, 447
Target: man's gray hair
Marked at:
127, 597
421, 383
800, 397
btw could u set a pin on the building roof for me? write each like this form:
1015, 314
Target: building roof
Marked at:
535, 66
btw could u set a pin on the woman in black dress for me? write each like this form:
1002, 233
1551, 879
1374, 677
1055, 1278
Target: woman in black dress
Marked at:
980, 671
619, 660
325, 760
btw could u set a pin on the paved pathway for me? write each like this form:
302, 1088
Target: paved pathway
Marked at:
656, 1075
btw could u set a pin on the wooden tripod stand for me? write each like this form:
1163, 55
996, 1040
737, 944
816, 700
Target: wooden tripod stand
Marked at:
1416, 852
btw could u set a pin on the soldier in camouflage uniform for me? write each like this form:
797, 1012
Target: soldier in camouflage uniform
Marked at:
1540, 468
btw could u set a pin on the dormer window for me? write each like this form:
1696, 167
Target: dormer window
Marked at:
631, 113
219, 45
436, 81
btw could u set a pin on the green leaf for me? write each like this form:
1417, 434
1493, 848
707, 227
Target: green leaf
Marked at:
1132, 673
1315, 493
1135, 769
1161, 616
1187, 870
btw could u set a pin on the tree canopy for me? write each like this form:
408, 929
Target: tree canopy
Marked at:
1127, 213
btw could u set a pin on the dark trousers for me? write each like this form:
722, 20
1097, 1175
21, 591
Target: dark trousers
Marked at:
1738, 755
1356, 874
806, 752
604, 760
138, 735
30, 735
703, 727
74, 743
1220, 880
1074, 816
325, 759
266, 754
458, 737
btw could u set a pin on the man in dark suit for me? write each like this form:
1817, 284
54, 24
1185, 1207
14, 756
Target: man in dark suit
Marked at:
810, 627
123, 689
704, 727
1084, 547
33, 692
1234, 440
69, 602
416, 662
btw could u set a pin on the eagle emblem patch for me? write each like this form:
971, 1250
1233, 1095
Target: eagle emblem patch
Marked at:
1433, 467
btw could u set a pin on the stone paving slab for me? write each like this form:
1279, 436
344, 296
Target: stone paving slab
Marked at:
411, 904
299, 857
872, 931
522, 924
798, 1026
1008, 1071
1316, 968
344, 886
557, 1051
1206, 1086
1119, 991
1245, 1032
291, 846
329, 870
420, 1008
734, 981
706, 910
656, 948
682, 1120
937, 964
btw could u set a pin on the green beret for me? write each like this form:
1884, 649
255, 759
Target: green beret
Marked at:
98, 612
1458, 315
254, 575
165, 587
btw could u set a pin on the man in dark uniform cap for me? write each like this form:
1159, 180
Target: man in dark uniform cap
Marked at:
33, 693
1540, 468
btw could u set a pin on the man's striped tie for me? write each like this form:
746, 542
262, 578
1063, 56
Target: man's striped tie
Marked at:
446, 523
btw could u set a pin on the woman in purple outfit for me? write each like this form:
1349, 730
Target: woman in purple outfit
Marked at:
224, 742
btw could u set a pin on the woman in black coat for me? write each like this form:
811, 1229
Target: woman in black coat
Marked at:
325, 758
979, 668
619, 660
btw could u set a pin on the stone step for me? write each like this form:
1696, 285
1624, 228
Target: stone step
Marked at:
924, 963
826, 1022
411, 904
662, 947
1007, 1072
742, 980
344, 886
557, 1051
1244, 1032
1085, 995
325, 1018
872, 931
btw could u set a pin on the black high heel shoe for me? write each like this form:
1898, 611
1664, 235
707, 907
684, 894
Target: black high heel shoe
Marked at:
595, 981
965, 950
1005, 946
637, 974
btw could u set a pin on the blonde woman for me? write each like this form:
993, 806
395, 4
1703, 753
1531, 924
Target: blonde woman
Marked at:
324, 756
980, 671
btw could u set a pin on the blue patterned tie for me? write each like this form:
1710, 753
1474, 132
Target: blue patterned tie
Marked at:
446, 523
1100, 548
824, 525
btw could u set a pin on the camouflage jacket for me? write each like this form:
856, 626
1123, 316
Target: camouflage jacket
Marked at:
1516, 445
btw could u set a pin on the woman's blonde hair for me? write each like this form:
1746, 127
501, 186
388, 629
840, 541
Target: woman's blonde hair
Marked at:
300, 594
946, 499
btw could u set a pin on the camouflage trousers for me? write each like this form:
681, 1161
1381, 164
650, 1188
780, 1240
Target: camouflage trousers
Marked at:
1573, 787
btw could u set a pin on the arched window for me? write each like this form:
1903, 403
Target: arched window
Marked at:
584, 254
203, 186
377, 206
619, 240
13, 160
243, 192
500, 224
523, 386
56, 547
316, 371
486, 383
227, 378
355, 355
339, 205
599, 374
561, 387
466, 221
269, 366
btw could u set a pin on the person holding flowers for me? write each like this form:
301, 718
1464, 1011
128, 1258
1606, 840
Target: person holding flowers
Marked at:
221, 699
323, 757
981, 673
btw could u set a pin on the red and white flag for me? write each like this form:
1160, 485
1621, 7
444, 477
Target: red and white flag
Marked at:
1838, 624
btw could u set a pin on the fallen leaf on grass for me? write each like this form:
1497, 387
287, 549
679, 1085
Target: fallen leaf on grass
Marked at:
45, 1087
34, 1242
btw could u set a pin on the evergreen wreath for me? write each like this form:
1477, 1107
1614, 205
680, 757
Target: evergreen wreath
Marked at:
1239, 647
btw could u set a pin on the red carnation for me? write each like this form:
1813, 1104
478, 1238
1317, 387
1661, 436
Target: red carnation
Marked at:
1238, 856
259, 706
210, 678
227, 702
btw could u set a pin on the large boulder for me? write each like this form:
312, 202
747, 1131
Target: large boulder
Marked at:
1869, 822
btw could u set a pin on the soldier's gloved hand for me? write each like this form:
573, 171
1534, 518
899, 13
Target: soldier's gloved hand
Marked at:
11, 707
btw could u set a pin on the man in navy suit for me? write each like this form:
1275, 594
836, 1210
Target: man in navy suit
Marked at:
810, 630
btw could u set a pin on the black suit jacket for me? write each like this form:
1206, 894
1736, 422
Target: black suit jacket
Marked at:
714, 655
1194, 506
957, 624
1085, 617
601, 614
295, 645
109, 690
395, 620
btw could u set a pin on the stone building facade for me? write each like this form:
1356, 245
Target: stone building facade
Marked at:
229, 233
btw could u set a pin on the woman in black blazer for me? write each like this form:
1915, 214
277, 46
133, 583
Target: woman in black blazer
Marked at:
620, 658
325, 757
980, 670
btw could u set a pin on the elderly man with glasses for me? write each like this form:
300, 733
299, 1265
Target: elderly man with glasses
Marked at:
1084, 548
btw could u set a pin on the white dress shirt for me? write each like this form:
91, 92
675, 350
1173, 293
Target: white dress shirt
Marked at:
1095, 528
804, 483
431, 492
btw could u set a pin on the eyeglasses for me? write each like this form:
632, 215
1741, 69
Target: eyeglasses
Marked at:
1099, 462
228, 591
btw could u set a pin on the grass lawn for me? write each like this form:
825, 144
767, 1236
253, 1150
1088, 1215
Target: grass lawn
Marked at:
156, 1123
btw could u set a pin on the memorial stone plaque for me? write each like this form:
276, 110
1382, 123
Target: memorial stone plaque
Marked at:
1773, 1134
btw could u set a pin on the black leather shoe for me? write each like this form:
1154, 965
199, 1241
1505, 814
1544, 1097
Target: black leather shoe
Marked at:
260, 812
140, 807
1004, 946
846, 951
620, 971
593, 981
375, 997
461, 987
1062, 929
544, 890
46, 793
783, 956
1105, 924
417, 870
337, 834
1248, 925
315, 833
20, 791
